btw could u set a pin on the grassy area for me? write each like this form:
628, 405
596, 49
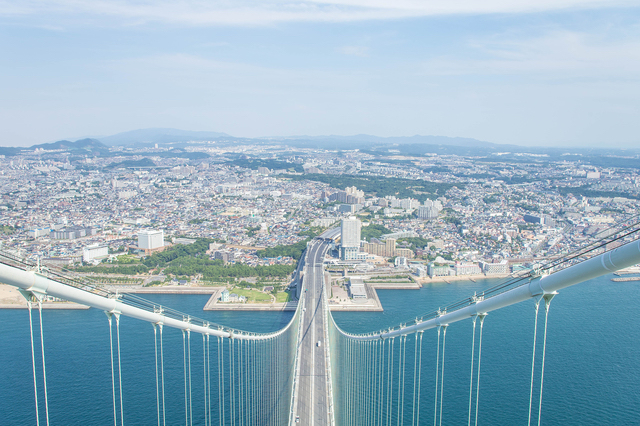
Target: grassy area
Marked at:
283, 296
253, 296
126, 259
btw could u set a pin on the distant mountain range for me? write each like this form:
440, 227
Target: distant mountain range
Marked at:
399, 140
379, 146
87, 143
159, 136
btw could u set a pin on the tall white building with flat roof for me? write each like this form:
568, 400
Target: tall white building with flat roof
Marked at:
94, 251
350, 238
150, 239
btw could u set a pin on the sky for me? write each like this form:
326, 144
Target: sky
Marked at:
526, 72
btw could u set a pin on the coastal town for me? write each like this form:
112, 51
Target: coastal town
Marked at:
236, 217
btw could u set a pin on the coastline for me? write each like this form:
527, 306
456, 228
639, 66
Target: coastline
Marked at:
48, 305
449, 279
10, 297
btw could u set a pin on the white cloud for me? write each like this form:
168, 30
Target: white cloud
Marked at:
265, 12
555, 55
361, 51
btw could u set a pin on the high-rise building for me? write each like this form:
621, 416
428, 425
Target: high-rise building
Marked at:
150, 239
350, 232
430, 209
350, 238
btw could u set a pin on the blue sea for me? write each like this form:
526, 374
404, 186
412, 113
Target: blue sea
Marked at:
592, 371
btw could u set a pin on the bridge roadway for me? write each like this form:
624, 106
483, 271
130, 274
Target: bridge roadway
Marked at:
312, 402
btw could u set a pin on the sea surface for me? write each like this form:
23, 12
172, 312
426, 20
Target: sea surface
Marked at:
592, 370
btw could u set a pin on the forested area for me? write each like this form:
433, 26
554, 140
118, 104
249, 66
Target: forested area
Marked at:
190, 260
382, 186
373, 231
214, 269
291, 250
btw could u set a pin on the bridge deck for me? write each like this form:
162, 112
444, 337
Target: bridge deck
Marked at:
312, 406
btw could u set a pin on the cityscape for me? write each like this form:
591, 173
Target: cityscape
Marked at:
104, 212
319, 212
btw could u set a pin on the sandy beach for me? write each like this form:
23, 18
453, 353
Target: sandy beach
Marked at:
11, 298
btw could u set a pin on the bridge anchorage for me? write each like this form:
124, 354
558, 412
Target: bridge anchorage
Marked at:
310, 372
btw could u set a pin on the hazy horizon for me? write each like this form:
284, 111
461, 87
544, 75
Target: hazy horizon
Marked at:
562, 73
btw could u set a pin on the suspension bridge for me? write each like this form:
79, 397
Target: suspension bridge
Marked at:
311, 371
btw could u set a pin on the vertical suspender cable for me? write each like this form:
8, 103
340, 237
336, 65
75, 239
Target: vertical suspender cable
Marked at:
444, 338
271, 400
419, 382
184, 365
33, 363
359, 383
547, 303
119, 368
249, 380
204, 376
400, 371
164, 418
113, 380
350, 399
380, 382
372, 394
363, 381
155, 347
209, 379
435, 408
401, 399
482, 316
347, 381
374, 373
473, 347
366, 381
44, 369
220, 384
260, 381
373, 349
232, 377
389, 383
533, 357
190, 400
253, 380
404, 373
240, 399
415, 380
354, 382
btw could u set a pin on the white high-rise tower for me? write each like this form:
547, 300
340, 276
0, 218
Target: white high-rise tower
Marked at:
350, 238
